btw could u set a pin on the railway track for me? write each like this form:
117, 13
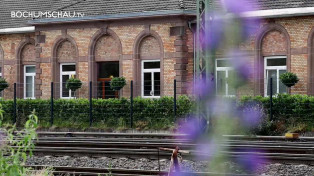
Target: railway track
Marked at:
117, 145
83, 171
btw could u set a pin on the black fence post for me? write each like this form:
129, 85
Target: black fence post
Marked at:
271, 99
51, 105
175, 99
14, 104
90, 103
131, 106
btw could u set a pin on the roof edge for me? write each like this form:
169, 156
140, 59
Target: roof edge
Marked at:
28, 29
275, 13
113, 16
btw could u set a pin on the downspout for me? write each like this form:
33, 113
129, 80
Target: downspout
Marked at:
194, 49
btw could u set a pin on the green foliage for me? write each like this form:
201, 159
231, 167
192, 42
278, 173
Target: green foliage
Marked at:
3, 84
16, 147
73, 84
289, 79
289, 111
117, 83
107, 113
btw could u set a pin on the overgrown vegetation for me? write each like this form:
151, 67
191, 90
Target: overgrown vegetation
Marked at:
15, 147
291, 113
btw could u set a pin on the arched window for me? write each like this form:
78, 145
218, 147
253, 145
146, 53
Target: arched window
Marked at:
26, 70
149, 65
273, 58
64, 65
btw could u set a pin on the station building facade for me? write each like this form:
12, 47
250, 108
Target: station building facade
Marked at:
151, 48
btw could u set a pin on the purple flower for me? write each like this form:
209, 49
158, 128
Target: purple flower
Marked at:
214, 35
241, 64
251, 117
238, 6
203, 87
250, 160
193, 127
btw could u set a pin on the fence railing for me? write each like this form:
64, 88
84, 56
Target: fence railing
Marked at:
54, 107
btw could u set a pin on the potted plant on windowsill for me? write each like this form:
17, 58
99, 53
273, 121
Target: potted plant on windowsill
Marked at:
3, 84
117, 83
289, 79
73, 84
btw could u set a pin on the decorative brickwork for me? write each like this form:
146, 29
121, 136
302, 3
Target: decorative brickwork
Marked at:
66, 52
106, 47
149, 47
274, 43
28, 53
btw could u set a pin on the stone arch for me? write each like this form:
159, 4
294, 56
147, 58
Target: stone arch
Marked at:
262, 50
26, 55
148, 46
64, 50
105, 45
310, 63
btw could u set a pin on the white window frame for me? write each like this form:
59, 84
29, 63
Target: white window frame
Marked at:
32, 75
149, 71
226, 69
62, 73
277, 68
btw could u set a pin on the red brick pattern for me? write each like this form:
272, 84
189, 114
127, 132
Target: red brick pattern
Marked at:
66, 51
149, 47
106, 46
274, 42
28, 53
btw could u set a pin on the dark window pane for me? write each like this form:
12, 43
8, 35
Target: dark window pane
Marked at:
151, 65
282, 87
272, 74
221, 82
65, 91
30, 69
68, 68
29, 86
276, 62
223, 63
147, 84
0, 69
107, 69
157, 84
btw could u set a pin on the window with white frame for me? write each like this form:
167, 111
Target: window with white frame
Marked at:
66, 72
274, 67
151, 79
224, 75
29, 81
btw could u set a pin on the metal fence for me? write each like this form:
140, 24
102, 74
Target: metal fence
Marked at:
102, 106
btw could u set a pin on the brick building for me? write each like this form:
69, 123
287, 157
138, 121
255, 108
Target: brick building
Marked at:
149, 42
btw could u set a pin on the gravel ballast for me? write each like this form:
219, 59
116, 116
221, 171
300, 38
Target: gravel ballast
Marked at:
147, 164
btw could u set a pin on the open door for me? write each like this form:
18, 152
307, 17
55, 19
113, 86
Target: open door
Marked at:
107, 70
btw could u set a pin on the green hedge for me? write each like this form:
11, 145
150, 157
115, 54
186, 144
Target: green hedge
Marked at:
108, 112
289, 111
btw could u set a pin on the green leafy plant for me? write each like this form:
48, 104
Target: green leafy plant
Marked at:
117, 83
17, 147
3, 84
73, 84
289, 79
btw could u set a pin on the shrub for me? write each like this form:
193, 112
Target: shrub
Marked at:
110, 113
117, 83
3, 84
12, 159
73, 84
289, 79
288, 111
